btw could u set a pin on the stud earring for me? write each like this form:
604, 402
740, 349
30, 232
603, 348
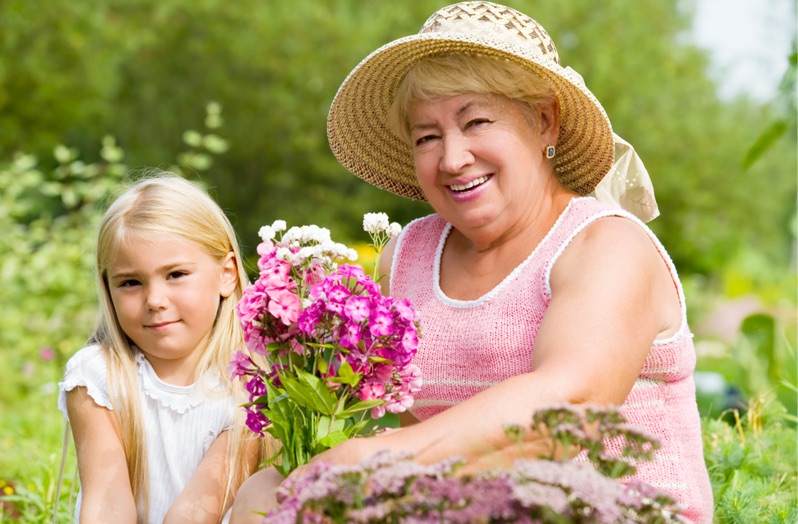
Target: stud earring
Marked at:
550, 151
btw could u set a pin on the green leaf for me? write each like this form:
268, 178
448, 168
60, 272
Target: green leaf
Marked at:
309, 391
380, 360
360, 407
192, 138
346, 375
764, 142
333, 438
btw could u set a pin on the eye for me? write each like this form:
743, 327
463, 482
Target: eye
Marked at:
424, 139
130, 282
177, 274
477, 122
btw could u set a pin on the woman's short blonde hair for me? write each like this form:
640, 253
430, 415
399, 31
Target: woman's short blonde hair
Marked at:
454, 74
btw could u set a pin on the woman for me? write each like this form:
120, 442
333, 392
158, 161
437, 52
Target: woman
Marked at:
530, 293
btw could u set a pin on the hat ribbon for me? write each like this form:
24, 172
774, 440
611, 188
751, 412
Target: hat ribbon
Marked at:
627, 185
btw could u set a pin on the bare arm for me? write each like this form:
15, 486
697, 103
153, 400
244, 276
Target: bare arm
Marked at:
201, 500
611, 297
105, 485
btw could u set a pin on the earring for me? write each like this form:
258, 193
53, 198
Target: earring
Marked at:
550, 151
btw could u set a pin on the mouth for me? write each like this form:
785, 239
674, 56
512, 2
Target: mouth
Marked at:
461, 188
157, 326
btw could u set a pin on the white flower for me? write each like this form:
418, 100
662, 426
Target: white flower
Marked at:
279, 225
283, 253
394, 229
375, 222
266, 233
351, 255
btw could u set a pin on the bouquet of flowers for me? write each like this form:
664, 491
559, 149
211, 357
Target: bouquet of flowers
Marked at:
549, 489
327, 352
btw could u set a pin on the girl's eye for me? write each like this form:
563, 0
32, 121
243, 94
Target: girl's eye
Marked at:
177, 274
128, 283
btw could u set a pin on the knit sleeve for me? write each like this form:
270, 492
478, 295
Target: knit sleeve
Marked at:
86, 368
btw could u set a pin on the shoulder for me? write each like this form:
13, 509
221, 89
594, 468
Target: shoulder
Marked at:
613, 246
86, 368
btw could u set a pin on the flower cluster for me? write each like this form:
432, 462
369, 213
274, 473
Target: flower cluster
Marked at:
386, 488
325, 347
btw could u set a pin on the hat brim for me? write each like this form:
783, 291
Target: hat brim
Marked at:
362, 141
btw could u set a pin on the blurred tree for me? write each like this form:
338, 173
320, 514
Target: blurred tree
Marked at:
140, 69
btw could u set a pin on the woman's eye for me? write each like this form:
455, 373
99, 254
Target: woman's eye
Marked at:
424, 139
477, 122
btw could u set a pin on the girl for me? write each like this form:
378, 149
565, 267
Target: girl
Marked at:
154, 416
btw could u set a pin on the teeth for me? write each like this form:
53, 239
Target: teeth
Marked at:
475, 182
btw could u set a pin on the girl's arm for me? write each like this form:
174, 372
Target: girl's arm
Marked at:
202, 499
105, 485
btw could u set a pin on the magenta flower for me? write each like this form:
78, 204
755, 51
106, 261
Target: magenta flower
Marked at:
357, 308
240, 365
330, 341
381, 322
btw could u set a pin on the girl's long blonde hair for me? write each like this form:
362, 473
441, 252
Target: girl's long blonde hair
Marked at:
166, 203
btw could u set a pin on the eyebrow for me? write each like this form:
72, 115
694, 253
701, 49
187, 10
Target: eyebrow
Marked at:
459, 112
165, 268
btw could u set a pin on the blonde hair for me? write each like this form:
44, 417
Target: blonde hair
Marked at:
166, 203
442, 76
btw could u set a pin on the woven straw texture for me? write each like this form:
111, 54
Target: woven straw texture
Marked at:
357, 126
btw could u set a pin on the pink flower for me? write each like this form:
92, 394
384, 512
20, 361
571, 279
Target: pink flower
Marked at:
381, 323
371, 390
240, 365
350, 334
285, 305
405, 310
410, 339
338, 294
357, 308
47, 354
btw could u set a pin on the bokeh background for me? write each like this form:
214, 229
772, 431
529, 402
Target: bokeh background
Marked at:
235, 94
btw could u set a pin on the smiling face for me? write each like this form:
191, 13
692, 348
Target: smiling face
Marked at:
166, 291
479, 160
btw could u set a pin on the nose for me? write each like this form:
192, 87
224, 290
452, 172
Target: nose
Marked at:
456, 154
157, 297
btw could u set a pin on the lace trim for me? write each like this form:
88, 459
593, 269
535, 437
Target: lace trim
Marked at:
97, 395
176, 398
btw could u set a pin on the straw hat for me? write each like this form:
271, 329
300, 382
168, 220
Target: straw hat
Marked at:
357, 125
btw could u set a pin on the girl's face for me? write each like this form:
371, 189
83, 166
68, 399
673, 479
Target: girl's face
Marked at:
166, 291
478, 159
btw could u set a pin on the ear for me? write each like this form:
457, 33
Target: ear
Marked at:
229, 277
550, 121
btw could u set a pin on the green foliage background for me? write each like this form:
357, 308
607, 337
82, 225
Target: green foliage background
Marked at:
90, 90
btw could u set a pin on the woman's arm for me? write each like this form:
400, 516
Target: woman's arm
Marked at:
612, 295
105, 485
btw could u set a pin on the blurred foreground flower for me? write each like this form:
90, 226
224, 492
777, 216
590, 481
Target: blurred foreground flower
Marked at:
389, 488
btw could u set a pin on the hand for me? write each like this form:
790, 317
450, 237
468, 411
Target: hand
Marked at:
350, 451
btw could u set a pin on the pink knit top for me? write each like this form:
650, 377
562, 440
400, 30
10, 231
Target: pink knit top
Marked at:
468, 346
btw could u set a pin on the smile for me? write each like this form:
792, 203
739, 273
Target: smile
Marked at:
474, 183
160, 325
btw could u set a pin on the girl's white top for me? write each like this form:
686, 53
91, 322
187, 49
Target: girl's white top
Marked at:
180, 422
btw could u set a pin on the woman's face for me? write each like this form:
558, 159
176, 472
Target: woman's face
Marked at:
478, 158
